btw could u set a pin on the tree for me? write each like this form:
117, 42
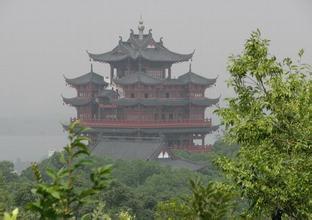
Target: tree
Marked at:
5, 197
212, 201
62, 198
270, 118
7, 171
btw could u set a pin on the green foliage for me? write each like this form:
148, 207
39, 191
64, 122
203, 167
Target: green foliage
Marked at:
119, 197
173, 209
168, 184
270, 118
212, 201
124, 215
196, 157
100, 214
137, 186
97, 214
61, 198
205, 202
136, 189
220, 148
7, 171
5, 197
13, 216
135, 173
211, 171
141, 199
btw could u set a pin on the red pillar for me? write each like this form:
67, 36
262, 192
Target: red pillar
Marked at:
203, 140
169, 72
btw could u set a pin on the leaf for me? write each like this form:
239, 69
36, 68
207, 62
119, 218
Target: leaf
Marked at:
51, 173
61, 198
301, 52
81, 152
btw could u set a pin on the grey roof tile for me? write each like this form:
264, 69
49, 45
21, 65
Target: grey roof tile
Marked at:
134, 48
112, 94
77, 101
138, 77
194, 78
127, 149
140, 150
90, 77
187, 78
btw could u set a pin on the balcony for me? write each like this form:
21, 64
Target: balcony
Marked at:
116, 123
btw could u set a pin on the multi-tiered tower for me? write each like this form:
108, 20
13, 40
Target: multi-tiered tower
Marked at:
144, 104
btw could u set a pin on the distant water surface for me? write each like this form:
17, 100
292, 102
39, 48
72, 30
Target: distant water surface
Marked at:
29, 148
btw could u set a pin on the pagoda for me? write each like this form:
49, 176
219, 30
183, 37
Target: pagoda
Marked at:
143, 113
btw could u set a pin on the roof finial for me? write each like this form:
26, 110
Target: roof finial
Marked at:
141, 28
91, 68
161, 41
190, 65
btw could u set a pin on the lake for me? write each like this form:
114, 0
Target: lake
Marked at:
29, 148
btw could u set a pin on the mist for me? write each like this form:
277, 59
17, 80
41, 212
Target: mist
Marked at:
41, 41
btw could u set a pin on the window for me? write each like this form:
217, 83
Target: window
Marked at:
170, 116
146, 95
163, 117
167, 95
132, 95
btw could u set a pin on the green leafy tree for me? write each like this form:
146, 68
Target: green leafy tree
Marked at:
169, 184
135, 173
5, 196
119, 197
7, 171
98, 213
270, 119
213, 201
62, 197
173, 209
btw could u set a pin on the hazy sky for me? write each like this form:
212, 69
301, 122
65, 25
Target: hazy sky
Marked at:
42, 40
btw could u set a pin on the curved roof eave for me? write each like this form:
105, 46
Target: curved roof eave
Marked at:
139, 77
194, 78
78, 81
77, 101
159, 54
165, 56
107, 57
205, 101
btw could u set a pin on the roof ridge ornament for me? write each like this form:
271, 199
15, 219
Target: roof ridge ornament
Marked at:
161, 40
141, 28
190, 66
91, 68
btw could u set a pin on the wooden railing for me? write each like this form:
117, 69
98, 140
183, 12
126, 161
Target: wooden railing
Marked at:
116, 123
